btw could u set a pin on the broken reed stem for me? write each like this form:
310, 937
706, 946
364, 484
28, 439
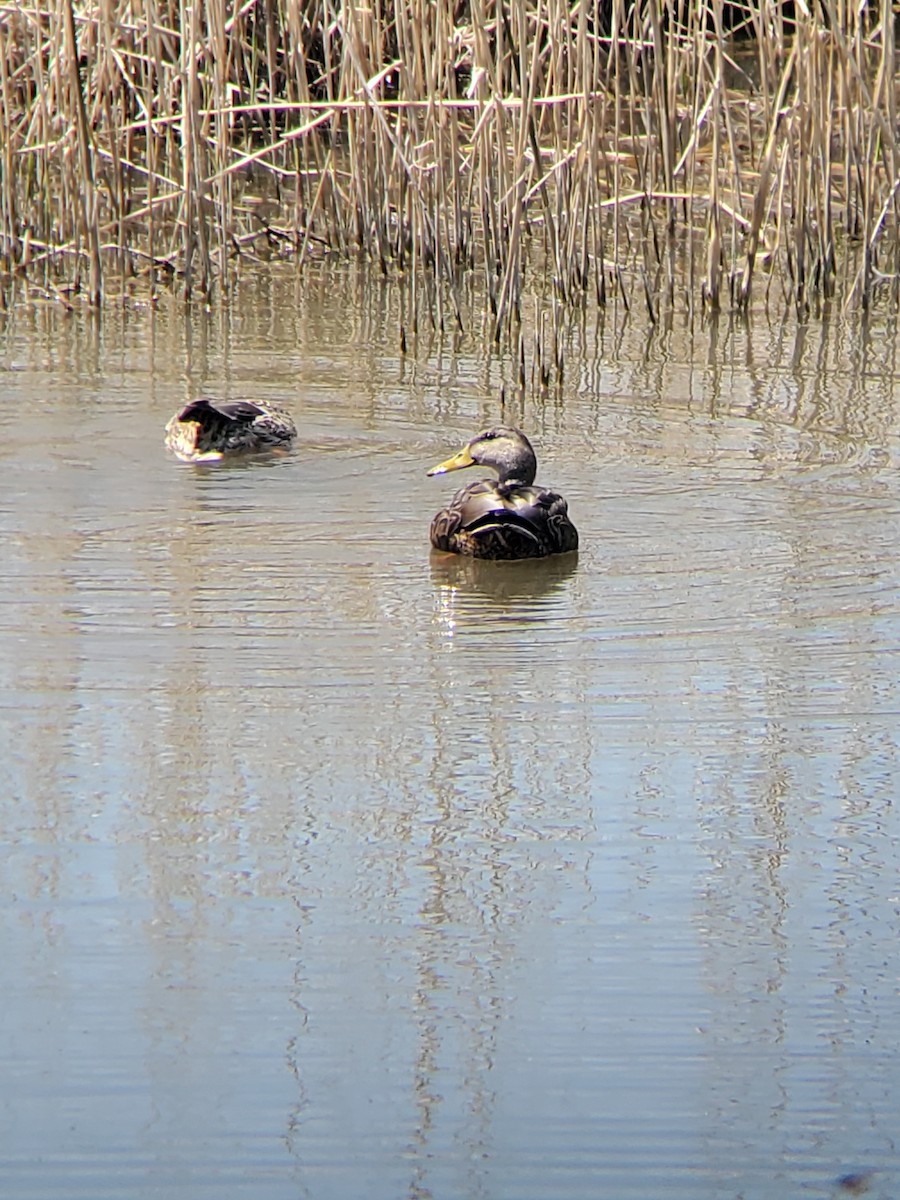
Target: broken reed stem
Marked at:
438, 138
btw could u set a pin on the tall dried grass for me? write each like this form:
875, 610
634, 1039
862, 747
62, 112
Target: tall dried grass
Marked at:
644, 151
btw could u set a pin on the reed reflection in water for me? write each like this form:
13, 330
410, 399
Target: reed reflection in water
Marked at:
338, 868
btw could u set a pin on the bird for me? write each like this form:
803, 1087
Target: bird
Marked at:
207, 430
506, 518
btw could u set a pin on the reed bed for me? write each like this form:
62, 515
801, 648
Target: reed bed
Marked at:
644, 153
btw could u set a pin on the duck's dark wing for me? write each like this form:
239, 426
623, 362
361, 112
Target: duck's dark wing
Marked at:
208, 412
485, 521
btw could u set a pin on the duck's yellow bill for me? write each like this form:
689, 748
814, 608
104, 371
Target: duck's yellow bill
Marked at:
456, 463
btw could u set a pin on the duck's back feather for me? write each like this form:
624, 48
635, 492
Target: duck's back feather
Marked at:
487, 520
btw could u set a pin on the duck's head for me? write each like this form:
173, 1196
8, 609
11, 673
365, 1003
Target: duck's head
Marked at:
505, 449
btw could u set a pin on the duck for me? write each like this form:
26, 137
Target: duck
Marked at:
207, 430
507, 517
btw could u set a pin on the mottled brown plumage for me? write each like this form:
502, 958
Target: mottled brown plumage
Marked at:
506, 518
206, 430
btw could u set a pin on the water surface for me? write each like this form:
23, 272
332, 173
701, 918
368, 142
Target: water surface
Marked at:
334, 868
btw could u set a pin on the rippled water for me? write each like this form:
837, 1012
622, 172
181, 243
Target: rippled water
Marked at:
336, 869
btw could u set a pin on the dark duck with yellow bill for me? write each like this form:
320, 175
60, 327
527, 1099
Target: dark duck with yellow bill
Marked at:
206, 430
507, 517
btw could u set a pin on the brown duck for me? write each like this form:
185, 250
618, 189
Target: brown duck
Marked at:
206, 430
508, 517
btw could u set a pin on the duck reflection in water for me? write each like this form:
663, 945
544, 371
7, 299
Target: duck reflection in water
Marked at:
209, 430
474, 597
532, 583
507, 517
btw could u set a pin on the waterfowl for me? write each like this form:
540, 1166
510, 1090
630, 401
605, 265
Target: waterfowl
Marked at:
207, 429
508, 517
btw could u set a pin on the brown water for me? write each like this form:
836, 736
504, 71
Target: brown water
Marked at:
334, 871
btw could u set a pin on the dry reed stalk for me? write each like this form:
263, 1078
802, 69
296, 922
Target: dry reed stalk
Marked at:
87, 196
762, 197
8, 200
193, 211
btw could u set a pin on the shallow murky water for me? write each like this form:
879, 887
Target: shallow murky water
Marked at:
334, 870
